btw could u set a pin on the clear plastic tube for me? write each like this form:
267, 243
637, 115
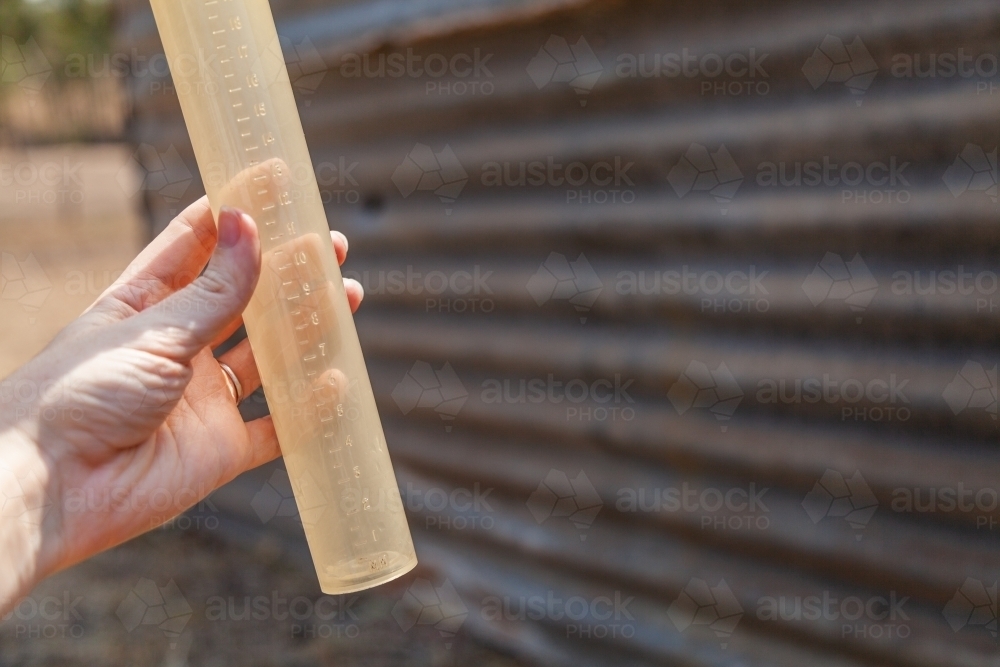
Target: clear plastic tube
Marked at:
237, 100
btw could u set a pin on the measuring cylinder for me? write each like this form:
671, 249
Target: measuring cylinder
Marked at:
234, 89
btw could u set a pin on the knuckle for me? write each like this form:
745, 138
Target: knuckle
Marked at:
212, 290
214, 281
204, 233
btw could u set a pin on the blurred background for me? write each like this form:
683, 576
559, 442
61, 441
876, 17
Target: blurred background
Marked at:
681, 318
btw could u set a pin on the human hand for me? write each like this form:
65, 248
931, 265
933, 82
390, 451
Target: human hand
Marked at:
129, 419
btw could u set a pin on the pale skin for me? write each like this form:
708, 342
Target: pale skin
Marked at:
129, 403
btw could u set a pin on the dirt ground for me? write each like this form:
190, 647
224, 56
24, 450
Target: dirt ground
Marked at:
69, 224
93, 614
68, 228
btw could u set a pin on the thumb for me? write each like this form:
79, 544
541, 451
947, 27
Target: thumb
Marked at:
188, 320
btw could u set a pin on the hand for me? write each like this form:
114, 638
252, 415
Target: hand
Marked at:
126, 419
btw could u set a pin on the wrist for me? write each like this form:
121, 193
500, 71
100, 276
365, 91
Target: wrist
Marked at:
29, 515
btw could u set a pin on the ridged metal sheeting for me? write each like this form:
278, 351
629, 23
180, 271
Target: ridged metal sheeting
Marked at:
936, 436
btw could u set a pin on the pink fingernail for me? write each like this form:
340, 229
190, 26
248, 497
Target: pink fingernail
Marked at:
229, 227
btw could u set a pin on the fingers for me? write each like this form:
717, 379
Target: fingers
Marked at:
263, 442
170, 262
355, 293
189, 320
329, 386
226, 332
339, 246
240, 360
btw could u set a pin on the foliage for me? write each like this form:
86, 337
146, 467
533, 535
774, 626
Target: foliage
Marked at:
60, 27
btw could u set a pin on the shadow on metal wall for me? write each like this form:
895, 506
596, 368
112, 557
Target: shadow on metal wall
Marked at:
681, 316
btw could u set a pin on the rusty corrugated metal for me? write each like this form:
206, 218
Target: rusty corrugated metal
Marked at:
710, 372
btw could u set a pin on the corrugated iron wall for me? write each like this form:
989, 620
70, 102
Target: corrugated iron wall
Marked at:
684, 312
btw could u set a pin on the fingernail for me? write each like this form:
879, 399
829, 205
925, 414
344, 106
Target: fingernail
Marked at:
344, 238
229, 227
356, 285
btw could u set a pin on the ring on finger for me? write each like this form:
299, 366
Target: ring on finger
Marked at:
234, 382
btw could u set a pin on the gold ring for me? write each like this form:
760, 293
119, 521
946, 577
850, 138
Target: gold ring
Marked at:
234, 383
